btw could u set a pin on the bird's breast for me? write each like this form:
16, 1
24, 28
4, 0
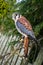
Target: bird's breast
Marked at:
20, 30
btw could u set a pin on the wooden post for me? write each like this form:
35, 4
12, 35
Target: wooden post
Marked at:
39, 59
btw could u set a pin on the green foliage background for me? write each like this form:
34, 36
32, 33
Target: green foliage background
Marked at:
6, 10
31, 9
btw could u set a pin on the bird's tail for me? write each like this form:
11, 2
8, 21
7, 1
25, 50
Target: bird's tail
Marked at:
34, 39
37, 43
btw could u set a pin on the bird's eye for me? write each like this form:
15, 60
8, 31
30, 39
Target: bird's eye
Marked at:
16, 14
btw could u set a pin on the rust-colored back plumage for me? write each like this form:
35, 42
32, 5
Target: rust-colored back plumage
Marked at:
25, 22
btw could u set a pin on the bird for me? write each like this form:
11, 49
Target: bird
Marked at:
24, 27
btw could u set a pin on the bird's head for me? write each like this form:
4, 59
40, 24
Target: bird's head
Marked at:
15, 16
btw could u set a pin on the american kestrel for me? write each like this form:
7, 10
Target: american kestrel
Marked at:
24, 27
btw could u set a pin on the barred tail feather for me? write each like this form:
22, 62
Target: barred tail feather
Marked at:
33, 38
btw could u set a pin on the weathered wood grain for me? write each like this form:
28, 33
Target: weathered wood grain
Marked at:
14, 58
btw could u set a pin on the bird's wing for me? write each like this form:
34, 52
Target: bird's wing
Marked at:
23, 29
25, 22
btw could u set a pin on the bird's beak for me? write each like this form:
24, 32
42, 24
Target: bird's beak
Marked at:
13, 16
